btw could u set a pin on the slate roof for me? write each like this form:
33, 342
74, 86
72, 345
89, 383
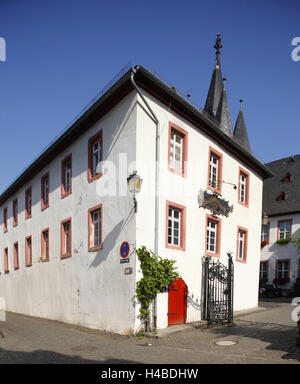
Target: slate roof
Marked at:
273, 186
215, 90
240, 131
223, 113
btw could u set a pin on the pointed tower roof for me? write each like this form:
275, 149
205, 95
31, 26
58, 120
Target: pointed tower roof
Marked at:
240, 130
223, 113
215, 89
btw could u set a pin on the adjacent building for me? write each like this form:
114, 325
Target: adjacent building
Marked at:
64, 220
280, 261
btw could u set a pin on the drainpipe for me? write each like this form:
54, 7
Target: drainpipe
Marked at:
157, 159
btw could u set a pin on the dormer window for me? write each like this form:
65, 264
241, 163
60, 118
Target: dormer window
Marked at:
287, 178
282, 196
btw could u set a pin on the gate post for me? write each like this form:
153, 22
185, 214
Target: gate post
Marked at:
230, 288
205, 266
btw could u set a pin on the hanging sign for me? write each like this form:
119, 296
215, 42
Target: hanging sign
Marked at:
124, 249
214, 203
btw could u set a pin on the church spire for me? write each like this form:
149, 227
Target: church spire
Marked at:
223, 113
240, 130
215, 89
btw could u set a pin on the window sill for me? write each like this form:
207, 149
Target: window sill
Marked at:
29, 265
212, 254
28, 217
215, 190
63, 195
241, 261
44, 207
175, 247
95, 249
93, 178
65, 256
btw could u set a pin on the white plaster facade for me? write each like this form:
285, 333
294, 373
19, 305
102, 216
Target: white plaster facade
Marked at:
91, 288
272, 252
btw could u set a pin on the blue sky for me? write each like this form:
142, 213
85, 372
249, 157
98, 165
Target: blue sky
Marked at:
60, 54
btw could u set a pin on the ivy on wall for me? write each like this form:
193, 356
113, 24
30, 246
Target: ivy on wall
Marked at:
158, 274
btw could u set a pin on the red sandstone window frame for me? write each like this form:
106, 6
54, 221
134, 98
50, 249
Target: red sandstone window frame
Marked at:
218, 221
184, 134
247, 188
91, 247
27, 193
219, 156
6, 261
63, 252
43, 197
15, 212
92, 140
28, 251
45, 246
182, 239
16, 255
64, 162
245, 249
5, 228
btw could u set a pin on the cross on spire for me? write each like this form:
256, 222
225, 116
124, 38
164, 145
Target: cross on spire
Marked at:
218, 44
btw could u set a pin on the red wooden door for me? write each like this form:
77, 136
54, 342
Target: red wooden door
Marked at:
177, 302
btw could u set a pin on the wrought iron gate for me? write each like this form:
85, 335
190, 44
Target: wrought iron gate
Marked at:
217, 291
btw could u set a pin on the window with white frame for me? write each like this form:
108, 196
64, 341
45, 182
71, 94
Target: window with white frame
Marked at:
265, 232
211, 236
96, 228
174, 226
213, 170
242, 245
283, 268
176, 150
263, 271
96, 157
243, 181
284, 229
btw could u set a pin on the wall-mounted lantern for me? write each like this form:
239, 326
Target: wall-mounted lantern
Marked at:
134, 186
265, 219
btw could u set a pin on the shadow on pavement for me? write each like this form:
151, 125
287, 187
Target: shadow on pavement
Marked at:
49, 357
280, 337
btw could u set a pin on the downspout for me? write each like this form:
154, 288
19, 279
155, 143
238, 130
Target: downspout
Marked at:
157, 159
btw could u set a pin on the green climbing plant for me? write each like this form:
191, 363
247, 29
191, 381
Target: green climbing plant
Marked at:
158, 274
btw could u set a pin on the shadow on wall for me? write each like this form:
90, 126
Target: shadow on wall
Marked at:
280, 337
110, 240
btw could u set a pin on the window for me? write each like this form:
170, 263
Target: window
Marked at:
28, 203
242, 240
15, 212
175, 231
45, 191
284, 229
6, 262
213, 236
95, 228
282, 196
66, 176
287, 178
282, 269
215, 171
95, 157
16, 255
243, 191
263, 270
66, 238
265, 232
28, 251
177, 149
45, 245
5, 219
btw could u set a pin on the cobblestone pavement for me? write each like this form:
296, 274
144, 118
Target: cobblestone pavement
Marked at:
264, 337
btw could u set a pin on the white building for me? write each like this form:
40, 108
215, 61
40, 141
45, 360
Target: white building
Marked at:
279, 257
64, 219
